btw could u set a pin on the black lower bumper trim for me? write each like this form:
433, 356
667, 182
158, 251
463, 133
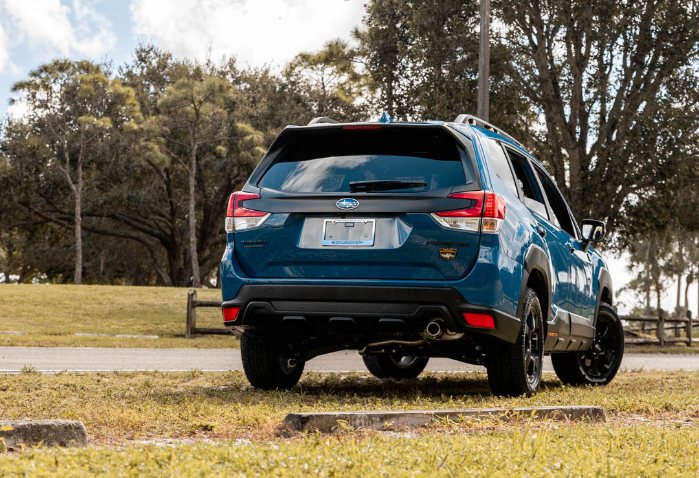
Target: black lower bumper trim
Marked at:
258, 303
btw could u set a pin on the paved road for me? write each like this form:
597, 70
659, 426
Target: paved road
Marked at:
45, 359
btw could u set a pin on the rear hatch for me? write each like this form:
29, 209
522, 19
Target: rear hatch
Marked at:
356, 202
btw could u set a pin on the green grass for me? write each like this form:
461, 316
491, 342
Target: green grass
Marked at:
51, 315
118, 407
573, 450
213, 424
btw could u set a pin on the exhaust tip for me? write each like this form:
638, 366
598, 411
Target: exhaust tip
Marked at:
434, 329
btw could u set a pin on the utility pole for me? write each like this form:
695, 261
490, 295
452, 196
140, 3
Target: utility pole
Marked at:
484, 63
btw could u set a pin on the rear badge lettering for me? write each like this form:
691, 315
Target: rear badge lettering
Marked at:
254, 243
447, 253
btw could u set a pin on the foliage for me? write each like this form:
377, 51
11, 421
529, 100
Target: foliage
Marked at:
148, 167
423, 61
54, 152
602, 75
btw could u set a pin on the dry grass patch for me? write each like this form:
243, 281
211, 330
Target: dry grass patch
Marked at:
50, 315
118, 407
214, 424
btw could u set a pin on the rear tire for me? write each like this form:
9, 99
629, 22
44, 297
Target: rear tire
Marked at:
515, 369
599, 364
266, 366
395, 366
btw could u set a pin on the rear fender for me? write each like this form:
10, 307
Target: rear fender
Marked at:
604, 281
536, 259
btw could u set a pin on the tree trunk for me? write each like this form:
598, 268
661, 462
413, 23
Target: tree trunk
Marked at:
647, 279
678, 302
78, 275
196, 279
688, 283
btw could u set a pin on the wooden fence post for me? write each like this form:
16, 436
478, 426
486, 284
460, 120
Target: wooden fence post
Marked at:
661, 328
689, 327
191, 313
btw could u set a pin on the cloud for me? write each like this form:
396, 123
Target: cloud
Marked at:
4, 49
53, 26
256, 32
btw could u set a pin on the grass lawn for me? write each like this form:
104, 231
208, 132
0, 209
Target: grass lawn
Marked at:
189, 424
51, 315
668, 349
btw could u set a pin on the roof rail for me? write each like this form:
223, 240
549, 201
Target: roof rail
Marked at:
476, 121
322, 120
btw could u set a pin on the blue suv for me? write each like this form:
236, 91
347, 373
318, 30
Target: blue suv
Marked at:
407, 241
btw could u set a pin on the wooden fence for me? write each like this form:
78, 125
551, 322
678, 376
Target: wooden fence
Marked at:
191, 326
660, 330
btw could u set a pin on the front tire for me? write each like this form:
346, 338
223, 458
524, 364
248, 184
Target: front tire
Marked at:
515, 369
266, 366
599, 364
395, 366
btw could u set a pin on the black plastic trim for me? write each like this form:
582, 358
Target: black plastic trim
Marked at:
605, 282
537, 259
407, 303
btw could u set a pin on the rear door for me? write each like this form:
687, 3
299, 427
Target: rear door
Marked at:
533, 197
582, 297
356, 202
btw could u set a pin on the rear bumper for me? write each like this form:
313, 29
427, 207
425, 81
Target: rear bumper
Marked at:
364, 307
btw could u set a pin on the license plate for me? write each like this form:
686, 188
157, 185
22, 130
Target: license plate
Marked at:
348, 232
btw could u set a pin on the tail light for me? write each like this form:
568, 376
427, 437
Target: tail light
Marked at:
230, 314
485, 214
239, 218
477, 319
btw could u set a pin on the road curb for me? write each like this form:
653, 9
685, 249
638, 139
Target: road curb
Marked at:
14, 433
330, 421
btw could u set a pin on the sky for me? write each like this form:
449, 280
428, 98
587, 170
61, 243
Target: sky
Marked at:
256, 32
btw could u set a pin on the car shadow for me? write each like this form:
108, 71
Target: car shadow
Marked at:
348, 389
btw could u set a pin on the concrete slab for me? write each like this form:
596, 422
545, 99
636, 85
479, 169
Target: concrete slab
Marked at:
330, 421
42, 432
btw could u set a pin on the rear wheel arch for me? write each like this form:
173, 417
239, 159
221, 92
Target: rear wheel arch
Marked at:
537, 276
605, 287
605, 294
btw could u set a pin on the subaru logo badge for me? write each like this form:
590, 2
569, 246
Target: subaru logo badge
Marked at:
347, 203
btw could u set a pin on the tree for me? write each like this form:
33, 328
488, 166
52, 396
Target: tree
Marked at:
71, 109
423, 61
195, 115
595, 72
329, 81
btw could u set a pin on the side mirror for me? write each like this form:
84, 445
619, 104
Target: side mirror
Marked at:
593, 231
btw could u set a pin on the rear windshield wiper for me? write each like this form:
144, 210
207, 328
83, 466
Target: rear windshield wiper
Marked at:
386, 185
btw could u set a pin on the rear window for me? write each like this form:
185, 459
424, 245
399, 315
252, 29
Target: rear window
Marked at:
337, 160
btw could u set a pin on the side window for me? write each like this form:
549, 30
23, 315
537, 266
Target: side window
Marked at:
557, 203
500, 165
533, 198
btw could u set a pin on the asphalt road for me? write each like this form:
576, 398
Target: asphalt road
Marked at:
45, 359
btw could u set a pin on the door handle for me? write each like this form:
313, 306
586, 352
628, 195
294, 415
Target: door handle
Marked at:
541, 231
